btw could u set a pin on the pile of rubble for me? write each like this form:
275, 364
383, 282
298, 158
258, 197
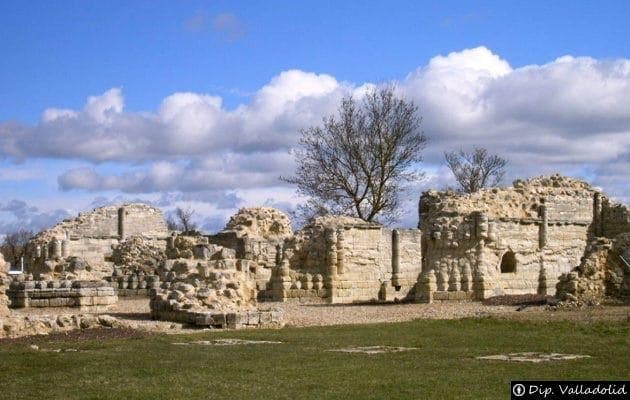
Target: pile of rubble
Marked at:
210, 287
260, 222
137, 254
602, 272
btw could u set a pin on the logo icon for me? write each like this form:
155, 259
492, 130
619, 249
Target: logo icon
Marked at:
518, 390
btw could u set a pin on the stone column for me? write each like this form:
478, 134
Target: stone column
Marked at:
45, 251
481, 225
542, 230
395, 259
597, 214
427, 287
331, 253
341, 253
56, 249
121, 223
65, 248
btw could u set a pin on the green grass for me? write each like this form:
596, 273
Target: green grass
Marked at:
444, 366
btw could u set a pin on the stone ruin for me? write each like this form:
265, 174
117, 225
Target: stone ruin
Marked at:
343, 260
206, 284
87, 296
546, 235
524, 239
4, 283
82, 248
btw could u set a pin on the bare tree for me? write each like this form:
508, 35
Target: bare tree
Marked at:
357, 162
185, 219
171, 224
475, 170
14, 245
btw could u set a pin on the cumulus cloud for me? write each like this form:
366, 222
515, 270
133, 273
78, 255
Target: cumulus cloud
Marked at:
571, 115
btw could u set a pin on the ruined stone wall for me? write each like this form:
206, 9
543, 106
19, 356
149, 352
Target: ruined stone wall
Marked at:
513, 240
4, 284
615, 218
343, 260
91, 236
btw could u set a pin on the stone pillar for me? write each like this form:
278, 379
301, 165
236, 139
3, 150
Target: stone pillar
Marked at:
597, 215
542, 230
65, 248
278, 255
542, 280
481, 225
170, 242
427, 287
341, 253
45, 251
331, 254
56, 249
121, 223
395, 259
454, 284
331, 264
466, 284
442, 279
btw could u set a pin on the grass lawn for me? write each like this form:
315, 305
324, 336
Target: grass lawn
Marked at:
443, 366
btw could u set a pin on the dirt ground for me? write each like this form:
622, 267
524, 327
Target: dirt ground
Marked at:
134, 313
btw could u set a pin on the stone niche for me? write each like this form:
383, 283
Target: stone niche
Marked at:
503, 241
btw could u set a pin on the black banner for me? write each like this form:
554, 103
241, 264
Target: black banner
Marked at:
525, 390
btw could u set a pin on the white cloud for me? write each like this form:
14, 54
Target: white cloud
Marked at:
570, 115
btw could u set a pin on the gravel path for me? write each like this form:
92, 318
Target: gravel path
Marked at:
134, 313
324, 314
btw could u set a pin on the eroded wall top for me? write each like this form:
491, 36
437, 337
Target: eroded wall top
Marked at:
100, 223
566, 199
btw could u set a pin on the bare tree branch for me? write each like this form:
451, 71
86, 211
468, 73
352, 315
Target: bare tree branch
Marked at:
14, 245
357, 162
475, 170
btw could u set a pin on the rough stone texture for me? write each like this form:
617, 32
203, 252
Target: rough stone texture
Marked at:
343, 260
256, 234
603, 272
90, 238
19, 325
260, 222
514, 240
212, 288
4, 283
93, 296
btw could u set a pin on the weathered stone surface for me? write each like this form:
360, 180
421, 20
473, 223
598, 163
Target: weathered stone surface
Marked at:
87, 295
81, 248
514, 240
4, 283
342, 260
260, 222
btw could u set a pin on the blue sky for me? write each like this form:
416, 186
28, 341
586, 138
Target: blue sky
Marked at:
198, 102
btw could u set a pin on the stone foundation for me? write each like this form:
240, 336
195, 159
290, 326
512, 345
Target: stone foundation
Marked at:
219, 320
93, 296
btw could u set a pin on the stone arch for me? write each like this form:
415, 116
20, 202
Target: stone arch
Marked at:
508, 262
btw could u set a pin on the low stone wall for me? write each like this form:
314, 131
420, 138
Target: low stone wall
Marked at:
218, 320
134, 284
86, 295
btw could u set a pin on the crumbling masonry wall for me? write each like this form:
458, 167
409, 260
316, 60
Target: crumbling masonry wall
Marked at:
90, 238
344, 260
512, 240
